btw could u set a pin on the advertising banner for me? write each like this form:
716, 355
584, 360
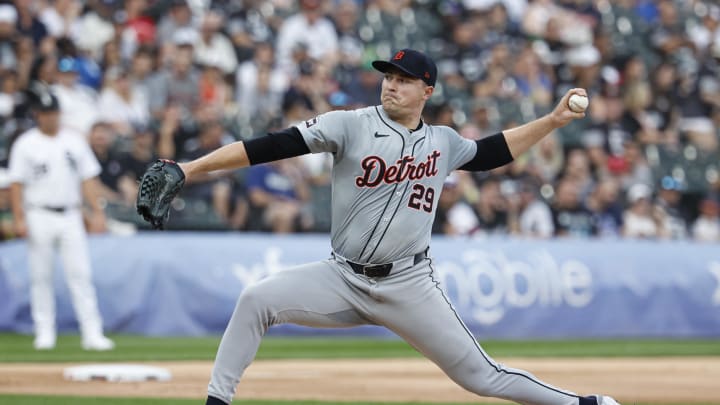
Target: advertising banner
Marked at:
187, 284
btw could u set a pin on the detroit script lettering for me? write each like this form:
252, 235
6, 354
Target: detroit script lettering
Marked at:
376, 170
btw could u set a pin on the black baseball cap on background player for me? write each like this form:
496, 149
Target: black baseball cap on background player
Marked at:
42, 99
413, 63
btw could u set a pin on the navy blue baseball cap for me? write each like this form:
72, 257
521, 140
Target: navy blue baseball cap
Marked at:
45, 101
411, 62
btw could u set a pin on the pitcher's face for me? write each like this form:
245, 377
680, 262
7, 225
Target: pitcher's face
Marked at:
402, 94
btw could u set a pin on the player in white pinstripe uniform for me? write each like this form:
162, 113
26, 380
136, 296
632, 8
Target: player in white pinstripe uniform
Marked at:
51, 169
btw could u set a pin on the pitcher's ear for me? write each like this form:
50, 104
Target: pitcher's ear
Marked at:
428, 92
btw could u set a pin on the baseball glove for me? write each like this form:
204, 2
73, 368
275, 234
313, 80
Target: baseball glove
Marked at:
161, 182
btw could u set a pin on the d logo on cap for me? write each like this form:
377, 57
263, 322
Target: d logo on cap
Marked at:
399, 55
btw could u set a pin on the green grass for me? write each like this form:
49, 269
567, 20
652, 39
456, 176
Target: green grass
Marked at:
18, 348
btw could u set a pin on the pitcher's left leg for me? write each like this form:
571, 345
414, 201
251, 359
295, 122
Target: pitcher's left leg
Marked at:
419, 312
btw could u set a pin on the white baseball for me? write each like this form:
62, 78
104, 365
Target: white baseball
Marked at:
578, 103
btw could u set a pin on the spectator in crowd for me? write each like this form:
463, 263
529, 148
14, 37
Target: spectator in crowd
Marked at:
543, 17
261, 85
101, 140
176, 85
673, 219
639, 219
702, 97
9, 89
578, 170
135, 161
89, 73
704, 33
179, 16
212, 47
95, 28
28, 24
214, 91
454, 216
604, 203
665, 99
121, 104
484, 115
111, 54
364, 85
137, 28
8, 19
310, 28
60, 17
141, 69
637, 118
214, 190
307, 92
668, 36
44, 69
632, 168
78, 103
250, 25
491, 208
345, 17
570, 215
178, 134
277, 193
534, 83
547, 159
25, 56
532, 216
706, 227
380, 22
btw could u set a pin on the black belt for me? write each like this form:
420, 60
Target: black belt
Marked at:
58, 210
381, 270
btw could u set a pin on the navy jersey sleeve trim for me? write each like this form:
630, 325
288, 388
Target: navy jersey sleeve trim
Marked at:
492, 152
274, 146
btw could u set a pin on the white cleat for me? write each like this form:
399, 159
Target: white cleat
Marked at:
604, 400
98, 343
44, 342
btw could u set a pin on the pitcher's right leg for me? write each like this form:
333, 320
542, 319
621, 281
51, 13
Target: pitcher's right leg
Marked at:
310, 295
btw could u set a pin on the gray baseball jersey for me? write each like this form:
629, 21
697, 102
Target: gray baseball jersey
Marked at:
386, 182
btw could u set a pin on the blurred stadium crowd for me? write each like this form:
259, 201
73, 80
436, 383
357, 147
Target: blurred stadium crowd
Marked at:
143, 79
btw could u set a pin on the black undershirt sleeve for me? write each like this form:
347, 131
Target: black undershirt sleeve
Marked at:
274, 146
492, 152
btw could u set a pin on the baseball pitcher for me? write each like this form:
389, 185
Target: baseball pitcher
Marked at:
388, 170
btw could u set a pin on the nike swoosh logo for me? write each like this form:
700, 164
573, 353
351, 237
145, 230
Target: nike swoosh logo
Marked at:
379, 135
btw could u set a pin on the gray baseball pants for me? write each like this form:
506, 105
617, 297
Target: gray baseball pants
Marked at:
328, 294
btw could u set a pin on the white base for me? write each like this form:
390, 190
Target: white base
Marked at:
116, 373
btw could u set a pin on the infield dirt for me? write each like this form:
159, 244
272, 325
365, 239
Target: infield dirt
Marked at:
683, 380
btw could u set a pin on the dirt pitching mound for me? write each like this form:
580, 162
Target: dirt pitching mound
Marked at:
683, 380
